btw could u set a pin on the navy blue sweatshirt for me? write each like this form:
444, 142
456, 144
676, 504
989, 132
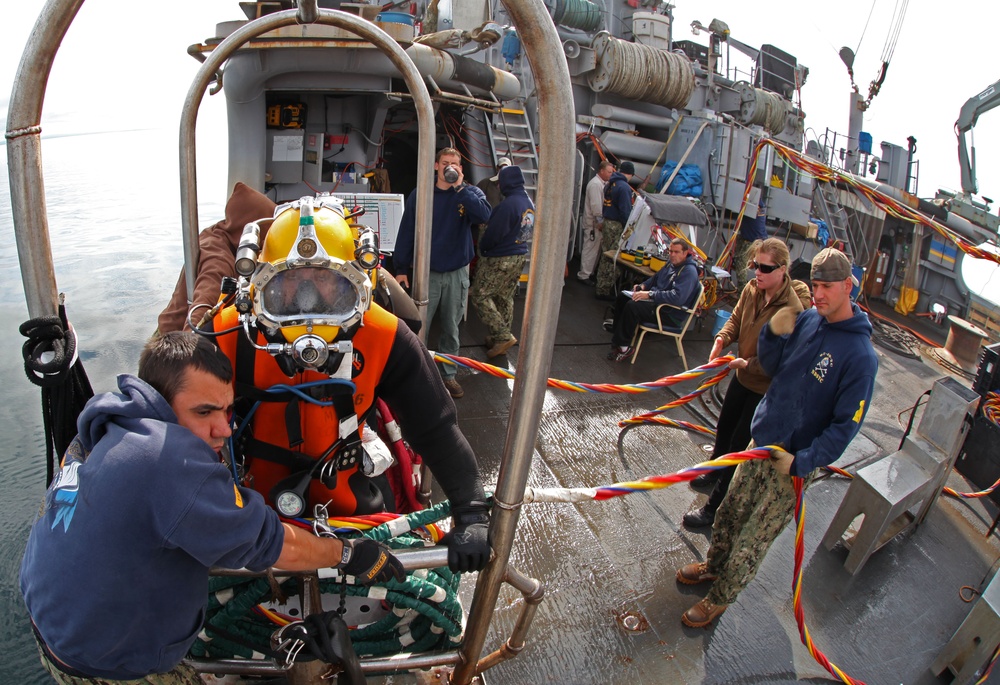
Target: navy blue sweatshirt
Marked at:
115, 574
513, 221
674, 285
617, 198
455, 212
824, 376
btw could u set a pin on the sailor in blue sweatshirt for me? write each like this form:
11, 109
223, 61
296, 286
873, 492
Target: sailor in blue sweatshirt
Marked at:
675, 284
823, 368
503, 249
458, 208
617, 208
115, 574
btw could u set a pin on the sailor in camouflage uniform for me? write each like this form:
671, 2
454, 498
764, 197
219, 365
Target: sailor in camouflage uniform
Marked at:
823, 369
503, 249
617, 207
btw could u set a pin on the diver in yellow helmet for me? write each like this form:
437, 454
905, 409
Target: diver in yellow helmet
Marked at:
312, 283
313, 355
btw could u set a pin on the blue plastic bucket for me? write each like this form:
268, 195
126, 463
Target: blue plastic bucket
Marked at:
395, 18
721, 317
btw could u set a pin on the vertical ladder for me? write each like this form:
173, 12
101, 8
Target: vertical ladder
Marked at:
510, 136
830, 211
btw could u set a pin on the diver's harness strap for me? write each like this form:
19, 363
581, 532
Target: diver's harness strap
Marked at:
350, 450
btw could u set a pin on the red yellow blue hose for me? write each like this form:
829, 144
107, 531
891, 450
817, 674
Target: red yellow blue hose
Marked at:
571, 386
652, 416
889, 205
647, 483
800, 619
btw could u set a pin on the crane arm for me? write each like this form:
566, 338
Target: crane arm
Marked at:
967, 117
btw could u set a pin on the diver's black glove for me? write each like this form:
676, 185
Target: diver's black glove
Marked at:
468, 541
328, 639
370, 562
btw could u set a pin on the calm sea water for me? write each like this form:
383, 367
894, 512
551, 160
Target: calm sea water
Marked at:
114, 221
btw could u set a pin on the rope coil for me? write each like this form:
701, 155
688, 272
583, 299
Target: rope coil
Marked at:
51, 363
639, 72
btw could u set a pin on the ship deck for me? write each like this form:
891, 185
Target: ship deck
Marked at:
603, 561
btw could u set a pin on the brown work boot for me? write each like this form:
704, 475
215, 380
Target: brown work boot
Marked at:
693, 574
454, 389
702, 614
501, 347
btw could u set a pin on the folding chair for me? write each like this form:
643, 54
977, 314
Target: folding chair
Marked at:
675, 332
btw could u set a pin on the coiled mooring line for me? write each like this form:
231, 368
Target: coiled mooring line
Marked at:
51, 363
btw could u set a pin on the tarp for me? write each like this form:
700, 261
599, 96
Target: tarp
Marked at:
669, 209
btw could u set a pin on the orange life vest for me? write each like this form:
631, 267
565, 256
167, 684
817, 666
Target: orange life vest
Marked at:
309, 429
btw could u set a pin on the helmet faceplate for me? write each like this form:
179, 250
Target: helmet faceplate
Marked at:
307, 281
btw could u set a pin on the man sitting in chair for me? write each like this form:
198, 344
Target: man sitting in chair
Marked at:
675, 284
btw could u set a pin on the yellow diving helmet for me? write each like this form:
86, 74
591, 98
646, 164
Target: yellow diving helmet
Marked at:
313, 279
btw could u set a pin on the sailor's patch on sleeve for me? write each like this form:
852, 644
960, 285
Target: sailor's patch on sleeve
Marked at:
860, 412
239, 497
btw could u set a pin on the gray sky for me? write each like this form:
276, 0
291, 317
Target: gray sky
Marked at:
940, 61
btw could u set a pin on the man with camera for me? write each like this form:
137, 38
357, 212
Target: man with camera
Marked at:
458, 208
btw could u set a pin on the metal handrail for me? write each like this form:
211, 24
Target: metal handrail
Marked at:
24, 156
548, 252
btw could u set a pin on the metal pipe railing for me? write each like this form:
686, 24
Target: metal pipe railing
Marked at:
553, 212
24, 156
425, 126
533, 592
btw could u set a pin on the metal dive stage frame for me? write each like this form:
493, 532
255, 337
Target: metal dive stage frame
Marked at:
543, 49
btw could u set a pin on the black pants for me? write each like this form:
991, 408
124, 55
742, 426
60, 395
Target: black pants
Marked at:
732, 434
628, 316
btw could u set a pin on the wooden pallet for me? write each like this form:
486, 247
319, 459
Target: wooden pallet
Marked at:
987, 319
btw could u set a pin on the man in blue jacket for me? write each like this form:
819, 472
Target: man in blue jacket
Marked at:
676, 284
458, 208
503, 249
115, 574
617, 207
823, 367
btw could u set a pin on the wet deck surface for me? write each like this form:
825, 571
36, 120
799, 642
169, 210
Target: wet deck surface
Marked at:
603, 561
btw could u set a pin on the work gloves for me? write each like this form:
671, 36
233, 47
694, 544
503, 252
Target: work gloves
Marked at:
370, 562
327, 638
783, 322
782, 461
468, 543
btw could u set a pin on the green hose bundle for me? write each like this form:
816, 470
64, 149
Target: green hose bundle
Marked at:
425, 612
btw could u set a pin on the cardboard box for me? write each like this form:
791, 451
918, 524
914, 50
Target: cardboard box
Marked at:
810, 231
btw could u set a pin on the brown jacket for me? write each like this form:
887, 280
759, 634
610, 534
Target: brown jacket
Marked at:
749, 316
217, 257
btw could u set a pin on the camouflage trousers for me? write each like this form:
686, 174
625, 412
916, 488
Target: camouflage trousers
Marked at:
492, 295
610, 237
182, 674
741, 255
758, 506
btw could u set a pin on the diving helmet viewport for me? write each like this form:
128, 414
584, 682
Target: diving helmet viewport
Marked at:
310, 283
